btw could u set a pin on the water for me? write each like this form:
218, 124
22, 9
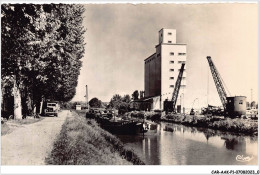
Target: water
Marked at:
173, 144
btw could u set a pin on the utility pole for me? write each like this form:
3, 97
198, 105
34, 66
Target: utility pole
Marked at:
86, 96
251, 98
208, 89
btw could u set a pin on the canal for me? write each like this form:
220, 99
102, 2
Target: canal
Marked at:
174, 144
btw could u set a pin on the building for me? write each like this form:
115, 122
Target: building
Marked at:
78, 107
162, 69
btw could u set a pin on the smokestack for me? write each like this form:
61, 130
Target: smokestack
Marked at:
87, 96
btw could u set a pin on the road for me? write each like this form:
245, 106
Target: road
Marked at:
30, 144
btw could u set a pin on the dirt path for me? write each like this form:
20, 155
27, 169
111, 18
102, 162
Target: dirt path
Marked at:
30, 144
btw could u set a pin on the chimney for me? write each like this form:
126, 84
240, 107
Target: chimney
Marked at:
87, 96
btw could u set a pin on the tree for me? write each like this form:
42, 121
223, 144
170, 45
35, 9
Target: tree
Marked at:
126, 98
95, 103
15, 54
41, 50
123, 108
135, 95
115, 101
253, 104
120, 103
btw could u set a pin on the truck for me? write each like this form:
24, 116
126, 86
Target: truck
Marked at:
52, 109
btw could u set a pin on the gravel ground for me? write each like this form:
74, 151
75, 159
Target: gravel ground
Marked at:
30, 144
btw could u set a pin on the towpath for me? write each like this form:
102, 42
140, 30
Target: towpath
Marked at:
30, 144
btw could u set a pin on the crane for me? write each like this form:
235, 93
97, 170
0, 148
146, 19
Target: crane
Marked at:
233, 106
218, 82
170, 105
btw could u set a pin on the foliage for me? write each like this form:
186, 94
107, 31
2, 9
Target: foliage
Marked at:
253, 104
234, 125
126, 98
95, 103
42, 47
115, 101
238, 125
120, 103
135, 95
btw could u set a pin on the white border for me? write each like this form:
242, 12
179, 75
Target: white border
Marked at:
146, 169
128, 2
99, 169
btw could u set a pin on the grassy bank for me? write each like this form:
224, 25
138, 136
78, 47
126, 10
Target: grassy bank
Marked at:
83, 142
25, 121
10, 125
238, 125
5, 129
245, 126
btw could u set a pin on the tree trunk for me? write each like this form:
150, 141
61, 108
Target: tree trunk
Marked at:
17, 102
41, 107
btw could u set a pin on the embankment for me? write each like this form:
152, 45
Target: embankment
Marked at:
238, 125
83, 142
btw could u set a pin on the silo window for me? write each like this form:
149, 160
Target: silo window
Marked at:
241, 102
169, 41
169, 33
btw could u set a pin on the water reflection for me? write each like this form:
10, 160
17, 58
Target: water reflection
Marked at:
235, 143
150, 150
173, 144
168, 129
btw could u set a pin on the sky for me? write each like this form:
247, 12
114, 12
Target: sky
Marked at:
120, 36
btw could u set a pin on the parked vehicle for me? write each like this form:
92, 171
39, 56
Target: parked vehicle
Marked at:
52, 109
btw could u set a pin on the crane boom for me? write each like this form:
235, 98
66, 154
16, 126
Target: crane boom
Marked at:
219, 84
177, 86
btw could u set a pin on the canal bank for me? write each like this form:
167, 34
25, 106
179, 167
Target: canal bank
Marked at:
236, 125
82, 142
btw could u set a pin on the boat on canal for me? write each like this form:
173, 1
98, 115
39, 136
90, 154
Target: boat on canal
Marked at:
117, 125
110, 121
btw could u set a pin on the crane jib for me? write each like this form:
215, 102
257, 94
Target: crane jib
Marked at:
217, 80
177, 86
